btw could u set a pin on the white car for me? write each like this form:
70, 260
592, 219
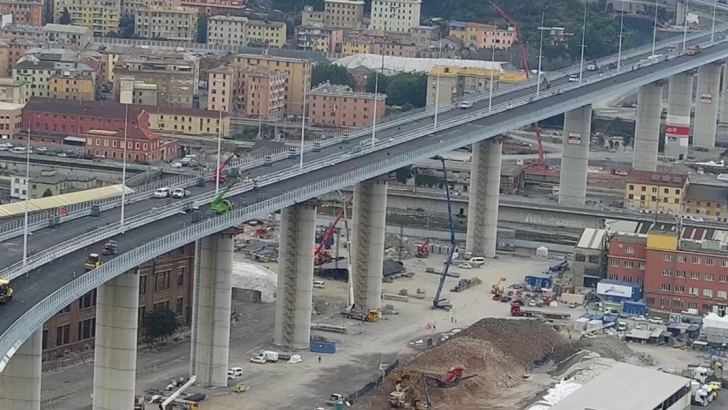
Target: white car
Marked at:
258, 359
573, 78
639, 318
162, 193
179, 193
177, 165
234, 372
61, 154
465, 105
656, 321
465, 265
41, 149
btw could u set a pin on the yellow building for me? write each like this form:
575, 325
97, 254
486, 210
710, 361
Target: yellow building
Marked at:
187, 121
169, 23
655, 191
298, 80
706, 197
481, 35
271, 32
12, 91
101, 17
73, 85
457, 82
356, 47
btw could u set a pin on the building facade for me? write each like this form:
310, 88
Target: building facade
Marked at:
47, 77
255, 93
298, 76
347, 14
395, 15
481, 35
268, 33
102, 17
12, 91
78, 37
311, 17
11, 118
322, 39
169, 23
706, 197
228, 30
214, 7
137, 92
339, 105
163, 282
175, 74
24, 12
654, 191
423, 36
48, 183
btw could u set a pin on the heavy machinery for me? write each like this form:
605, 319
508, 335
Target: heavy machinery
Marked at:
437, 302
110, 248
93, 261
521, 45
372, 315
497, 289
465, 284
449, 379
221, 205
423, 249
693, 50
516, 310
138, 403
545, 84
220, 172
320, 255
6, 292
398, 399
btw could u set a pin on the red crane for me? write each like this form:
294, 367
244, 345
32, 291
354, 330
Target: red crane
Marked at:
221, 171
320, 255
521, 45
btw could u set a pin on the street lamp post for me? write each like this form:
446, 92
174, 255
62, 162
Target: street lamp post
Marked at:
540, 57
685, 25
123, 168
376, 92
437, 86
583, 39
654, 29
303, 123
712, 30
621, 28
27, 196
492, 68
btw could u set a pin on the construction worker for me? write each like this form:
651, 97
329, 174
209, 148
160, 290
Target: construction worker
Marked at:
319, 359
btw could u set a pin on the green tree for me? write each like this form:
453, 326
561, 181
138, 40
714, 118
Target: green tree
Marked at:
335, 74
65, 17
406, 88
372, 80
202, 28
160, 323
47, 193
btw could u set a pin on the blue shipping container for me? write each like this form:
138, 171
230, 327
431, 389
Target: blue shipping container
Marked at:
634, 308
539, 281
323, 347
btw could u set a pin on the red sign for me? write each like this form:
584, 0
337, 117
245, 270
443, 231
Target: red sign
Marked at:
677, 130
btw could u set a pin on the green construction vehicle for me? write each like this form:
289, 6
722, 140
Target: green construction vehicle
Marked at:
221, 205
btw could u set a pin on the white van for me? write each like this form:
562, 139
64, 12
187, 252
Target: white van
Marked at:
162, 192
319, 284
477, 261
18, 150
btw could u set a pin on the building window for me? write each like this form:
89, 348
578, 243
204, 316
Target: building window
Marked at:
615, 263
628, 264
724, 263
86, 329
142, 315
180, 306
161, 281
681, 259
630, 249
722, 294
143, 285
708, 277
161, 305
666, 272
693, 291
180, 279
88, 300
667, 257
679, 273
679, 289
63, 335
692, 305
695, 260
641, 266
665, 287
664, 303
613, 276
677, 303
694, 275
708, 293
709, 262
723, 278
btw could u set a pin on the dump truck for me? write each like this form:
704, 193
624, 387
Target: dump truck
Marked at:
693, 50
465, 284
93, 262
6, 292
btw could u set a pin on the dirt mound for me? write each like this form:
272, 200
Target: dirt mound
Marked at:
612, 347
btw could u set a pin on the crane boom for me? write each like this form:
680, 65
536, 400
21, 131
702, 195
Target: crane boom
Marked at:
524, 58
332, 227
437, 302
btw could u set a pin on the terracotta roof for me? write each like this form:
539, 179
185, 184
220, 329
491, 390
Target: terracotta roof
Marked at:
103, 109
134, 133
656, 178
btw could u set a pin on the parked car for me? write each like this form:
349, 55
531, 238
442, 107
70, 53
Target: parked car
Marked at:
466, 104
234, 372
465, 265
162, 192
573, 78
656, 320
179, 193
258, 359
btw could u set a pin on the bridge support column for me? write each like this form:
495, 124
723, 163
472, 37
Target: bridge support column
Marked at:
367, 245
117, 312
20, 381
706, 106
295, 276
211, 308
647, 127
723, 118
677, 124
484, 194
575, 156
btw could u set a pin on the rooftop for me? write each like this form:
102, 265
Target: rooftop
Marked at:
66, 28
228, 18
11, 81
158, 57
656, 178
23, 28
270, 57
6, 106
103, 109
624, 387
708, 178
269, 23
167, 9
592, 239
353, 2
707, 193
342, 91
394, 64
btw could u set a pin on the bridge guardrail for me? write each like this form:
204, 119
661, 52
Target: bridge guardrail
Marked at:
21, 329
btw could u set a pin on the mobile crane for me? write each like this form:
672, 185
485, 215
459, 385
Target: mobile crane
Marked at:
320, 256
220, 172
221, 205
521, 45
438, 303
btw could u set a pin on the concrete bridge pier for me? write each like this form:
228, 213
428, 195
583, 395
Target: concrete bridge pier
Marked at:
575, 156
117, 312
484, 193
211, 309
677, 124
723, 118
367, 244
647, 127
20, 380
295, 276
706, 102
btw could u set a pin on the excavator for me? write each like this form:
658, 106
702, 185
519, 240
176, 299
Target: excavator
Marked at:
221, 205
496, 289
6, 292
437, 302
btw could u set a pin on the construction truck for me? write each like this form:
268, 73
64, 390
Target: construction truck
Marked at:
138, 403
465, 284
592, 66
497, 289
370, 316
516, 310
693, 50
6, 292
423, 250
110, 248
672, 48
93, 262
449, 379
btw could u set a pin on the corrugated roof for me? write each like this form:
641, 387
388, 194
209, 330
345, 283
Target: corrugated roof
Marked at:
624, 387
592, 239
42, 204
412, 65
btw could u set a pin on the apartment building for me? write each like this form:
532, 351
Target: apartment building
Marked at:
458, 82
163, 282
46, 71
395, 15
654, 191
341, 106
481, 35
214, 7
11, 117
101, 17
357, 47
270, 33
189, 121
175, 74
12, 91
48, 181
311, 17
137, 92
706, 197
73, 84
256, 93
322, 39
24, 11
169, 23
677, 273
394, 49
347, 14
78, 37
227, 30
298, 76
423, 36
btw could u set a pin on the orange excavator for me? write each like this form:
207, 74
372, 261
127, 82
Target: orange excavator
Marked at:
320, 255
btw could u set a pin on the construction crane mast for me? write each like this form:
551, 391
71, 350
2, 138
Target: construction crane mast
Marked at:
438, 303
524, 59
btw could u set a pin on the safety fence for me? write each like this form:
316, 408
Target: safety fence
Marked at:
374, 383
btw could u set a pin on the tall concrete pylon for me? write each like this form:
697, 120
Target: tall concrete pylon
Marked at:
677, 123
575, 156
647, 127
706, 106
484, 194
20, 381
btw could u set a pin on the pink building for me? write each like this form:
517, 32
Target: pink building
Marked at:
339, 105
252, 93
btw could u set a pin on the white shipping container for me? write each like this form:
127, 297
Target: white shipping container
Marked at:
580, 323
593, 325
610, 289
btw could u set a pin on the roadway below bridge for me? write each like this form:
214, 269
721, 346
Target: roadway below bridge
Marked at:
38, 284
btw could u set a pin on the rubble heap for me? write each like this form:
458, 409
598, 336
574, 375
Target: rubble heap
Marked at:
393, 243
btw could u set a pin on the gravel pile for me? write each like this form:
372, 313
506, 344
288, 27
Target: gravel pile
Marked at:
393, 243
612, 347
